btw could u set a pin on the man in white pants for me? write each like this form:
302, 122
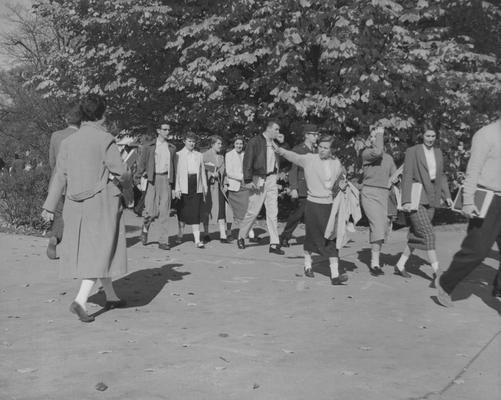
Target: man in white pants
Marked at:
260, 167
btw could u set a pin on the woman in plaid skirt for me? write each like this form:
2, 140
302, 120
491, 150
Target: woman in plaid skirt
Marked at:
423, 165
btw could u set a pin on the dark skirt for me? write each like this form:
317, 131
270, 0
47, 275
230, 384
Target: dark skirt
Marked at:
421, 235
188, 207
316, 217
239, 202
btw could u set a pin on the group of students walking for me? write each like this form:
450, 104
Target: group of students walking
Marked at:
91, 186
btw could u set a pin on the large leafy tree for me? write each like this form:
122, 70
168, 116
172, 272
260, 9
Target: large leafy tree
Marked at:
227, 66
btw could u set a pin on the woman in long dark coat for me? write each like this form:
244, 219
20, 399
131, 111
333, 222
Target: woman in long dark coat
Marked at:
89, 166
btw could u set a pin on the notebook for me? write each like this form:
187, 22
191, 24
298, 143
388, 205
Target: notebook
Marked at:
416, 190
482, 200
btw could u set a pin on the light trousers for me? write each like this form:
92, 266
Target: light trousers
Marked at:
267, 195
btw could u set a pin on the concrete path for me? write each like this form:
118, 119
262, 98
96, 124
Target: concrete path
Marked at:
223, 323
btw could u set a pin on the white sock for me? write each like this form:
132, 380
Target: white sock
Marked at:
375, 258
108, 289
251, 234
222, 229
401, 262
434, 265
307, 261
196, 232
334, 266
84, 292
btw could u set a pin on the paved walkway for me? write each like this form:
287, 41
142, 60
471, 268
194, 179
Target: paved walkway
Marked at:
222, 323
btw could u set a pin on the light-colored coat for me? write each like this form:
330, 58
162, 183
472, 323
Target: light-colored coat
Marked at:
234, 170
182, 172
93, 245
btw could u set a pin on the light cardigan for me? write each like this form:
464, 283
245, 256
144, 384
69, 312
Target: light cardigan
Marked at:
484, 166
182, 172
234, 170
320, 185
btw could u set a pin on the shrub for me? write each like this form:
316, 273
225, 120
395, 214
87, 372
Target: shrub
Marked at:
22, 196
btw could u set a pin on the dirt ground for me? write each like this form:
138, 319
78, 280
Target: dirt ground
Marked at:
222, 323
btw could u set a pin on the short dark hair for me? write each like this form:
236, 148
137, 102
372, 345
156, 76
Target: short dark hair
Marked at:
74, 116
308, 128
326, 138
190, 135
238, 137
93, 107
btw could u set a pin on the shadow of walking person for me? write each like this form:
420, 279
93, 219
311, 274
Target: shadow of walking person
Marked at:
140, 287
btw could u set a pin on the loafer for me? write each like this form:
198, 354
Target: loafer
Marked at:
443, 298
82, 315
496, 292
308, 272
225, 240
403, 273
144, 238
339, 280
241, 244
109, 305
433, 280
275, 249
200, 245
164, 246
51, 248
284, 242
376, 271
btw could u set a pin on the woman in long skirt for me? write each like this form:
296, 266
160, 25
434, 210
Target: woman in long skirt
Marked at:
423, 168
90, 168
378, 167
238, 195
214, 207
190, 188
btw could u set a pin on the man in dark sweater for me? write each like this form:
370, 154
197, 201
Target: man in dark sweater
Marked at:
297, 182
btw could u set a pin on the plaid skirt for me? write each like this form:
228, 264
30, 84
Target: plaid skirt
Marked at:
421, 235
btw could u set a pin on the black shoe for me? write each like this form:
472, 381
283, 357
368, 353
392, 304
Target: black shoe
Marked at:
144, 238
206, 239
433, 280
241, 244
496, 292
164, 246
110, 305
225, 240
376, 271
77, 309
284, 242
255, 239
338, 280
275, 249
403, 273
308, 272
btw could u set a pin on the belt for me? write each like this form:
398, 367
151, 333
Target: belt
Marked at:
161, 173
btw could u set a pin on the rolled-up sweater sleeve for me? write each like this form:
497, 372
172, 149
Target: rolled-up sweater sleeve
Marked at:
293, 157
479, 150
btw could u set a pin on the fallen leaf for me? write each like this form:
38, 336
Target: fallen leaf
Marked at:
185, 345
224, 359
51, 301
27, 285
458, 381
101, 386
223, 335
62, 293
26, 370
104, 351
255, 386
191, 293
349, 373
287, 351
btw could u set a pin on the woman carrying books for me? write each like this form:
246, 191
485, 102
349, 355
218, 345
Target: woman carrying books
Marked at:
424, 184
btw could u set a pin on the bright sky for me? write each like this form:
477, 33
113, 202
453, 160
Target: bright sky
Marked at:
5, 26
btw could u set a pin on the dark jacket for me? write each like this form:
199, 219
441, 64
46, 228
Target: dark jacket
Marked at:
254, 163
146, 162
416, 170
296, 173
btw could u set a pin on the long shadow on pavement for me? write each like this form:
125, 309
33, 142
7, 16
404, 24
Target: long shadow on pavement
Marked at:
321, 266
413, 264
140, 287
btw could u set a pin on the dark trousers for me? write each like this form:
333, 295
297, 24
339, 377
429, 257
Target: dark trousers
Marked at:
481, 235
294, 218
57, 226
